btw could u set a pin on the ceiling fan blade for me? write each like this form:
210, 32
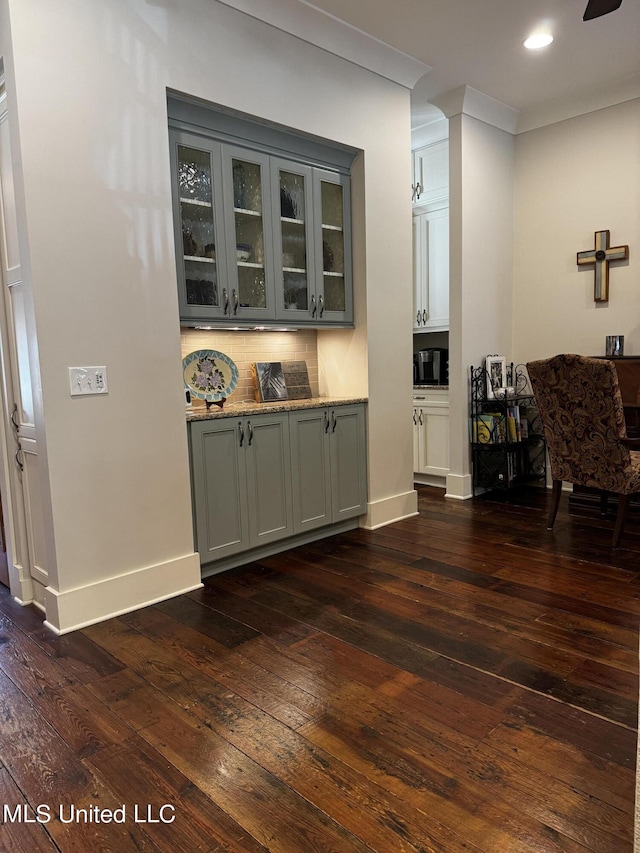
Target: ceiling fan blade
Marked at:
597, 8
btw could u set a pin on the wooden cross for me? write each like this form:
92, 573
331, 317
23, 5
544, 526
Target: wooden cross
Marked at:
601, 256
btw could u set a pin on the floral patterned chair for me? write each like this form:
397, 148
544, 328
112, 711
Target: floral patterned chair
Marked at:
581, 410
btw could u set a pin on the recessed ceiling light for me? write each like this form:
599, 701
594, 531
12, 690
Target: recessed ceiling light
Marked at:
538, 40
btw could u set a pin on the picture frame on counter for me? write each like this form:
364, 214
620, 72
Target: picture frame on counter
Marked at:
268, 378
496, 375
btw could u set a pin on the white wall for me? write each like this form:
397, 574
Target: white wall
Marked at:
91, 80
481, 164
574, 178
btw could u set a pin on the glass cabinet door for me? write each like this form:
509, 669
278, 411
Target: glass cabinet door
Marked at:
291, 188
249, 234
198, 218
333, 264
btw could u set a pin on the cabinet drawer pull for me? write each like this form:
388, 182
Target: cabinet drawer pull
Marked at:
236, 302
334, 422
321, 304
225, 296
313, 306
420, 417
326, 422
424, 317
415, 422
241, 432
250, 428
18, 460
418, 318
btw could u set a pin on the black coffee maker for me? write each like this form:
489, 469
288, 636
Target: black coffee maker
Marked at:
431, 366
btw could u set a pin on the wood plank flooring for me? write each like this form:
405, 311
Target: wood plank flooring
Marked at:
461, 681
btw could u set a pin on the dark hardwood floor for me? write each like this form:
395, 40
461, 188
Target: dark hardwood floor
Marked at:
461, 681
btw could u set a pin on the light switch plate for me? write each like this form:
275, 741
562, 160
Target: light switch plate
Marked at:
88, 380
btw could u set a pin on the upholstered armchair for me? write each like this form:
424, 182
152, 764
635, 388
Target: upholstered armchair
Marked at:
581, 410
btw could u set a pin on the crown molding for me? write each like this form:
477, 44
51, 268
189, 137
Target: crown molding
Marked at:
433, 131
599, 98
305, 21
468, 101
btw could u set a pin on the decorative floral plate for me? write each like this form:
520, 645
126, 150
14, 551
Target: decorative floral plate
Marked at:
209, 375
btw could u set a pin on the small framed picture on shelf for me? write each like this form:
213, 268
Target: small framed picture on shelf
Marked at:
496, 373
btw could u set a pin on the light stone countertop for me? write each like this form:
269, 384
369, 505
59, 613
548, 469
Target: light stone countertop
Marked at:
425, 389
233, 410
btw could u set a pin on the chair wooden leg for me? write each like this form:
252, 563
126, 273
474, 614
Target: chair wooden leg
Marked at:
621, 517
555, 503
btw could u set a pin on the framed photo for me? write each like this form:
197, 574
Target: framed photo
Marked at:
268, 379
496, 370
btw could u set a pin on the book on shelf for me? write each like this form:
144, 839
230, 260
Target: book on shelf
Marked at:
514, 425
499, 431
482, 429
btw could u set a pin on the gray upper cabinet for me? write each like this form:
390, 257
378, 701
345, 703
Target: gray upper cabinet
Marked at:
313, 245
248, 234
334, 289
198, 215
292, 208
261, 237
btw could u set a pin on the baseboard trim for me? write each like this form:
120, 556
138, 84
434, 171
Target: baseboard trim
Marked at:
388, 510
459, 487
279, 547
77, 608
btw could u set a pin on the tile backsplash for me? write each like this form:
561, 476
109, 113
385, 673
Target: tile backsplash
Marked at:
246, 347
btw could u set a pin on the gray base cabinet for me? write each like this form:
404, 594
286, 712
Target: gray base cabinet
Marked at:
241, 483
263, 478
328, 457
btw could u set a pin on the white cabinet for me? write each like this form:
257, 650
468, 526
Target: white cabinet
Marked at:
431, 268
431, 439
431, 172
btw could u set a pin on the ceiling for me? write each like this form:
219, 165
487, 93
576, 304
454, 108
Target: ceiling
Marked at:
478, 43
